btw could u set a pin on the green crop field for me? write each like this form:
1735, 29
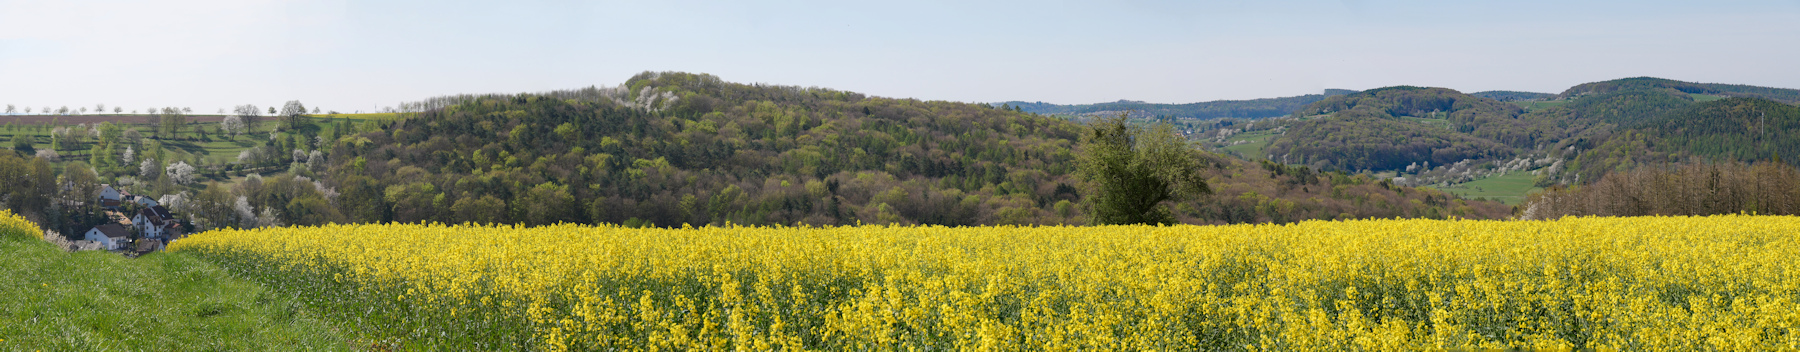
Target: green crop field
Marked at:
1510, 188
52, 300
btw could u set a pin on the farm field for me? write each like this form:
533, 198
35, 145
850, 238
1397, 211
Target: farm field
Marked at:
1650, 283
218, 147
1510, 188
53, 300
1252, 149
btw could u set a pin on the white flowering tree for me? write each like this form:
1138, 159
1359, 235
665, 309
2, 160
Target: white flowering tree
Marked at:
181, 173
149, 169
234, 125
246, 214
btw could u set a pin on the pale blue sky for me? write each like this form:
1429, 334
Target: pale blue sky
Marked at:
351, 54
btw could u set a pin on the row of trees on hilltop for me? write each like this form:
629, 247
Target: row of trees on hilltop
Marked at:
1252, 109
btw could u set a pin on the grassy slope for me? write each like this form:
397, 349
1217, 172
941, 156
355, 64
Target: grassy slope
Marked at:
1439, 123
1252, 150
1510, 188
1539, 104
1701, 98
94, 301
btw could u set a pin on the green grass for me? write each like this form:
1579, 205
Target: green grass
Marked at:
1539, 104
384, 116
1439, 123
1252, 150
96, 301
1510, 188
1701, 98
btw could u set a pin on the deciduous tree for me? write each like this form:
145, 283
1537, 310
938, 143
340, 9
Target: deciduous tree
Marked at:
1136, 169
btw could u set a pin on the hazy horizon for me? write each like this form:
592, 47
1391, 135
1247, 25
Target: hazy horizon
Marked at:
360, 55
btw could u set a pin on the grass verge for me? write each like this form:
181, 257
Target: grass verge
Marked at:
53, 300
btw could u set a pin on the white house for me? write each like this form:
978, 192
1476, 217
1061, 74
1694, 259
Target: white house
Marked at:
155, 221
109, 196
146, 201
109, 236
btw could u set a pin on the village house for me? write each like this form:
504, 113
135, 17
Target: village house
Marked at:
109, 236
110, 197
156, 222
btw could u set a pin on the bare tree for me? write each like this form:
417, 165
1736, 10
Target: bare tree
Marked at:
11, 109
249, 114
118, 110
99, 108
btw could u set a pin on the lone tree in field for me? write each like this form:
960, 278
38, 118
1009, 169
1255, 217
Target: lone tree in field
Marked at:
248, 113
293, 115
1136, 169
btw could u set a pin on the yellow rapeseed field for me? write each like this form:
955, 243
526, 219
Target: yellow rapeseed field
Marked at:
1651, 283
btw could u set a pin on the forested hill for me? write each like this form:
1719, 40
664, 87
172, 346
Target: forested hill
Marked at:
1437, 135
667, 149
1790, 96
1257, 108
1735, 129
675, 148
1394, 127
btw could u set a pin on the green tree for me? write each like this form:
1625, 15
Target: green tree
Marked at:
22, 143
547, 203
1136, 169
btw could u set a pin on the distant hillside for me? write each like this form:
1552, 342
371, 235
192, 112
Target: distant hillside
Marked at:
1252, 109
1367, 139
667, 149
1736, 129
1507, 95
1391, 128
1785, 95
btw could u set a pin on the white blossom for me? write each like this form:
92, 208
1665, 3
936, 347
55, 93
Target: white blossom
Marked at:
181, 173
315, 161
149, 168
233, 124
246, 215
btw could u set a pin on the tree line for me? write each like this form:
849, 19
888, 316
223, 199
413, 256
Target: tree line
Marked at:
1690, 188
